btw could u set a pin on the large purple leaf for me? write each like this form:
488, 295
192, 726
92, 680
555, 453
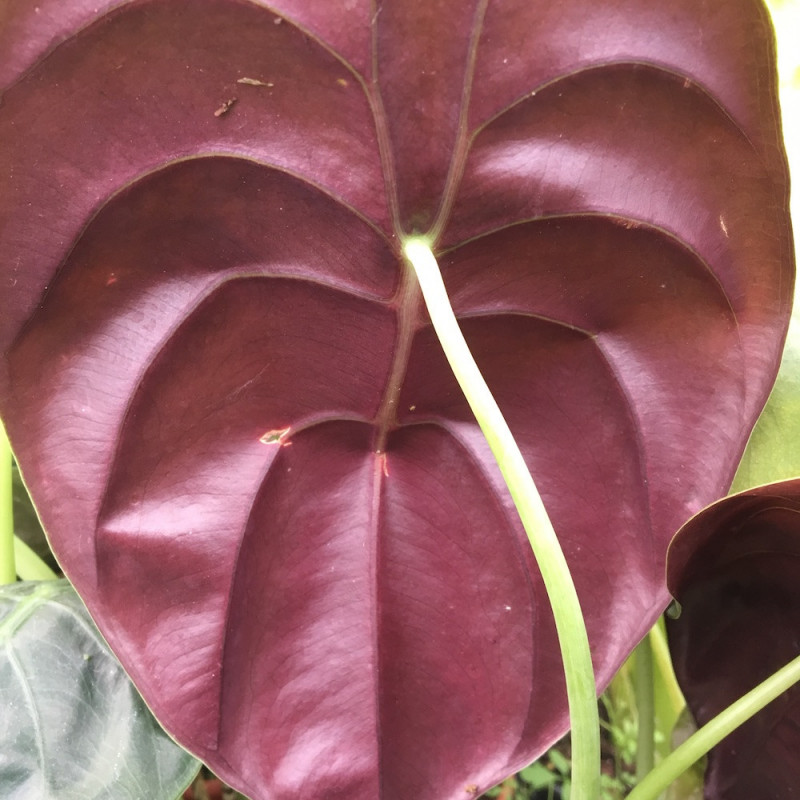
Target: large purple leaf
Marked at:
734, 569
236, 422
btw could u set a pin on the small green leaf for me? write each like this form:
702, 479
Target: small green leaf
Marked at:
73, 725
538, 776
559, 761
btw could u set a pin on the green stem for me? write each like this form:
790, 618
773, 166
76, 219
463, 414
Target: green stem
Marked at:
30, 566
663, 661
619, 701
713, 732
645, 707
669, 701
570, 626
8, 568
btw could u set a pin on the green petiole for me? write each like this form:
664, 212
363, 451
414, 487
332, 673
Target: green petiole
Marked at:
572, 636
713, 732
645, 706
8, 568
30, 567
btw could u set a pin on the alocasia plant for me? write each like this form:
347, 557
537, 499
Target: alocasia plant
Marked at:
226, 398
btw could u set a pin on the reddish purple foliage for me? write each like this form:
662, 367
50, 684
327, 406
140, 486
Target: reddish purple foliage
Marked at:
233, 415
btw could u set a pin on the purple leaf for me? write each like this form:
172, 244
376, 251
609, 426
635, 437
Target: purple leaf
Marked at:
733, 568
235, 420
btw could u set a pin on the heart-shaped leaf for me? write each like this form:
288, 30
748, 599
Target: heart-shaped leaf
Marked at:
733, 568
72, 723
236, 422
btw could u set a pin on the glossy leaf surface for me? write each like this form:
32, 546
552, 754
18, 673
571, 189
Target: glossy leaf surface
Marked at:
733, 568
297, 541
73, 725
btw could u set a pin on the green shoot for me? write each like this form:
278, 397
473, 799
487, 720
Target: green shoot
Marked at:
8, 568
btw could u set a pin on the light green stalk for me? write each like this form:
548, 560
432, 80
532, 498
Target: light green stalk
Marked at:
674, 700
645, 707
713, 732
30, 567
569, 621
8, 569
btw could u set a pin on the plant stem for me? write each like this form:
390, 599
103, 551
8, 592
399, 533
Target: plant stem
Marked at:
8, 569
663, 662
669, 700
619, 701
570, 626
30, 566
713, 732
645, 707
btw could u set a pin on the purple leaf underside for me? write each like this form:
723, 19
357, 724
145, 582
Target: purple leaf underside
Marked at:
734, 570
236, 422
